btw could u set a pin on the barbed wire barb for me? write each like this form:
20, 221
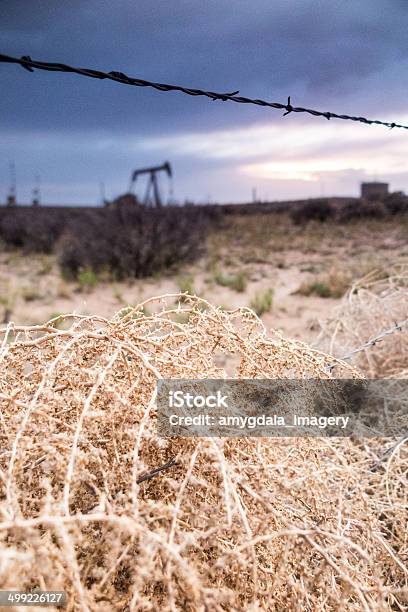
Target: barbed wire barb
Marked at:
31, 65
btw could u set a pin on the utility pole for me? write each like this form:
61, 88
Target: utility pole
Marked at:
36, 192
12, 196
102, 192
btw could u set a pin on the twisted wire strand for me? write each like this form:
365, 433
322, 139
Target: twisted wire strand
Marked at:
26, 62
398, 327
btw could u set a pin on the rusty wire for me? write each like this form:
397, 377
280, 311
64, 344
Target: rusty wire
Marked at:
26, 62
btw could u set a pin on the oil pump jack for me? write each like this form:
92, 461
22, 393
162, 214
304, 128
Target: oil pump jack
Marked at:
151, 199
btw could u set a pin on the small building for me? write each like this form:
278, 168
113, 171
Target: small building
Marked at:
125, 200
374, 190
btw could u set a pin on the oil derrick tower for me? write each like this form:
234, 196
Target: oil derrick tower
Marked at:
152, 196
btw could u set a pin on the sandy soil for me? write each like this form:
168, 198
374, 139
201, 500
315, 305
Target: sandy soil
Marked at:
266, 251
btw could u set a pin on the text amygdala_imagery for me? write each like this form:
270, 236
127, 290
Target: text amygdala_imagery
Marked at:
277, 407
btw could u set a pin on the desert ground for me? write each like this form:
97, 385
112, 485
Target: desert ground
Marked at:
97, 504
293, 276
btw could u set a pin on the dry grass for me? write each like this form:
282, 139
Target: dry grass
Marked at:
262, 302
334, 284
237, 281
237, 524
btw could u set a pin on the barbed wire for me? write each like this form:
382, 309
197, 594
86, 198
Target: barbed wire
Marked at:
26, 62
370, 343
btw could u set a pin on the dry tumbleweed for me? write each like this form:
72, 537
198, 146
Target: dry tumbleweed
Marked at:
232, 524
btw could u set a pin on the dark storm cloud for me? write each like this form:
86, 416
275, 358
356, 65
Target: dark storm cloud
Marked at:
342, 56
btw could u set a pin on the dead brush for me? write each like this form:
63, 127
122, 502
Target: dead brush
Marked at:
93, 502
374, 303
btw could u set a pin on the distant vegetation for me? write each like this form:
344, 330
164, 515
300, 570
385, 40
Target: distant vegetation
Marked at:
34, 230
262, 302
325, 209
237, 281
315, 210
121, 241
126, 241
332, 285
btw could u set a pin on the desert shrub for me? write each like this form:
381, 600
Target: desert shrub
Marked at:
87, 279
237, 281
35, 230
262, 302
362, 209
84, 244
238, 523
133, 242
30, 294
186, 284
127, 241
333, 285
314, 210
318, 288
396, 203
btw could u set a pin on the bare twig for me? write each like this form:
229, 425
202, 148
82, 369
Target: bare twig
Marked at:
156, 471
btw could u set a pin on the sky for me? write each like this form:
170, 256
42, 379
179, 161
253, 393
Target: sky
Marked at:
345, 56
